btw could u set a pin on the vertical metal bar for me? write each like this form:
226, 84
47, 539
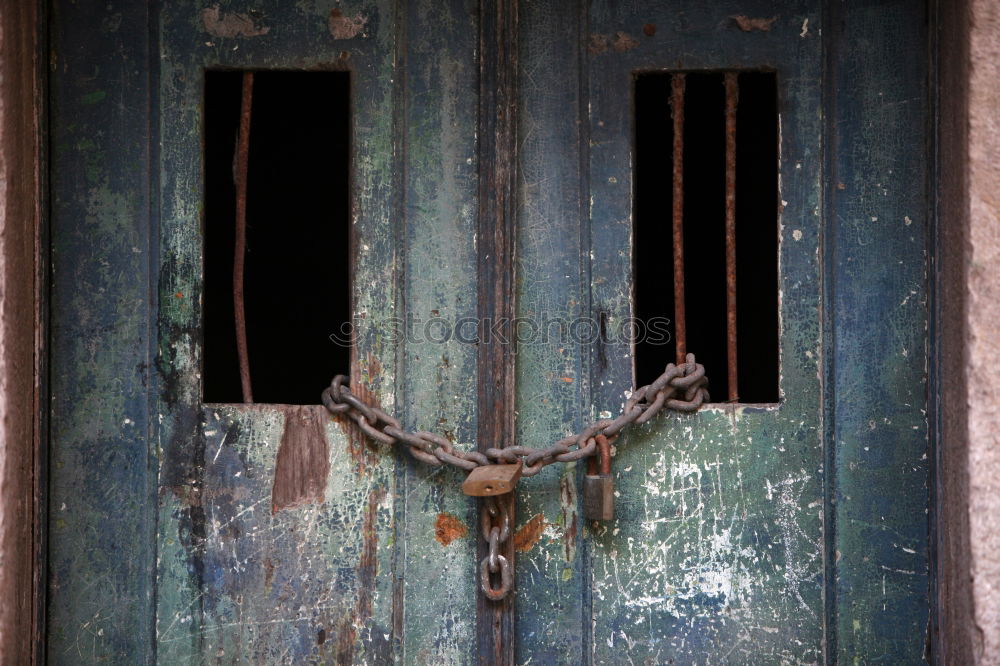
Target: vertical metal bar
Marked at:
240, 246
732, 96
677, 82
498, 68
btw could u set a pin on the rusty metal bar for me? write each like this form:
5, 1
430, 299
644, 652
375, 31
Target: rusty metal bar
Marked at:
240, 246
732, 96
677, 82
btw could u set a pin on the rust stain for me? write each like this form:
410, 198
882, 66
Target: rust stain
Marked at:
597, 44
361, 449
529, 534
749, 24
268, 572
649, 29
344, 27
367, 570
448, 528
623, 42
230, 24
303, 458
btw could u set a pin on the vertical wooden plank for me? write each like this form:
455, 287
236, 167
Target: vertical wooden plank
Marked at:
496, 248
715, 553
21, 501
878, 263
439, 535
551, 371
238, 578
102, 474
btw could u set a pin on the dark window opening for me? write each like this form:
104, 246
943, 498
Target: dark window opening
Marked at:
297, 261
704, 191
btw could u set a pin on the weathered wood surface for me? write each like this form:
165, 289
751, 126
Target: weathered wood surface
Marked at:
877, 264
552, 374
716, 552
439, 378
102, 466
747, 534
241, 579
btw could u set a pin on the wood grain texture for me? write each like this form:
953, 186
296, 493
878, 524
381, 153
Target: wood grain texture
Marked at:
439, 377
20, 336
552, 377
102, 464
878, 134
791, 533
496, 295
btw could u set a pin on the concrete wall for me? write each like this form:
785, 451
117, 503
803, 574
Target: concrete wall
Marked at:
970, 332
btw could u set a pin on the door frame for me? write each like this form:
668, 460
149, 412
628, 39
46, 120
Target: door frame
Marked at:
25, 33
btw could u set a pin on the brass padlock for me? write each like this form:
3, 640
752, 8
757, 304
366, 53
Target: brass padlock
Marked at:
489, 480
598, 486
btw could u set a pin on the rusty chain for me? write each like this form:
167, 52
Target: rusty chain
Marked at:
494, 562
681, 387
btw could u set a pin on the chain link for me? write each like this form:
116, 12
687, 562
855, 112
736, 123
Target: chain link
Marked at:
683, 388
492, 513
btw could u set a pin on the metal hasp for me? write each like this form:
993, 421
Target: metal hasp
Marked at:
492, 480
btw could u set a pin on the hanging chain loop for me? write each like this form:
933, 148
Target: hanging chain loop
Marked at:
682, 388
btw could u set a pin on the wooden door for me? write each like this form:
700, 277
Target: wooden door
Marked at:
189, 531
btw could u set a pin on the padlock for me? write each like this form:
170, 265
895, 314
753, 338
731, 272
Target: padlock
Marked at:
489, 480
598, 486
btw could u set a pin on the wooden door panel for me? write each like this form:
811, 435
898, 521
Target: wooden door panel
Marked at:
786, 533
552, 369
438, 531
717, 545
242, 578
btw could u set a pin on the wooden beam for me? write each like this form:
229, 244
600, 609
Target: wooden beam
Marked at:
496, 284
20, 213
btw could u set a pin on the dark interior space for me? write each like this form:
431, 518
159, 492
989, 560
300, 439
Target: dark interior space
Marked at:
297, 275
704, 228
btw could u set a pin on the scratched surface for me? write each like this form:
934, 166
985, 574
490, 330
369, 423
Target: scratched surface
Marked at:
102, 471
716, 553
793, 533
879, 307
439, 538
240, 580
551, 372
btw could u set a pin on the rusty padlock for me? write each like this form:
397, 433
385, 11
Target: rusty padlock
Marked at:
598, 486
489, 480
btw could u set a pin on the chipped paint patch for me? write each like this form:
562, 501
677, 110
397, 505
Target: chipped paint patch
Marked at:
529, 534
448, 528
749, 24
302, 463
620, 42
230, 24
345, 27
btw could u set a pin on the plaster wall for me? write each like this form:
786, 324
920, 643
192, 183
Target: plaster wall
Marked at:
983, 335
